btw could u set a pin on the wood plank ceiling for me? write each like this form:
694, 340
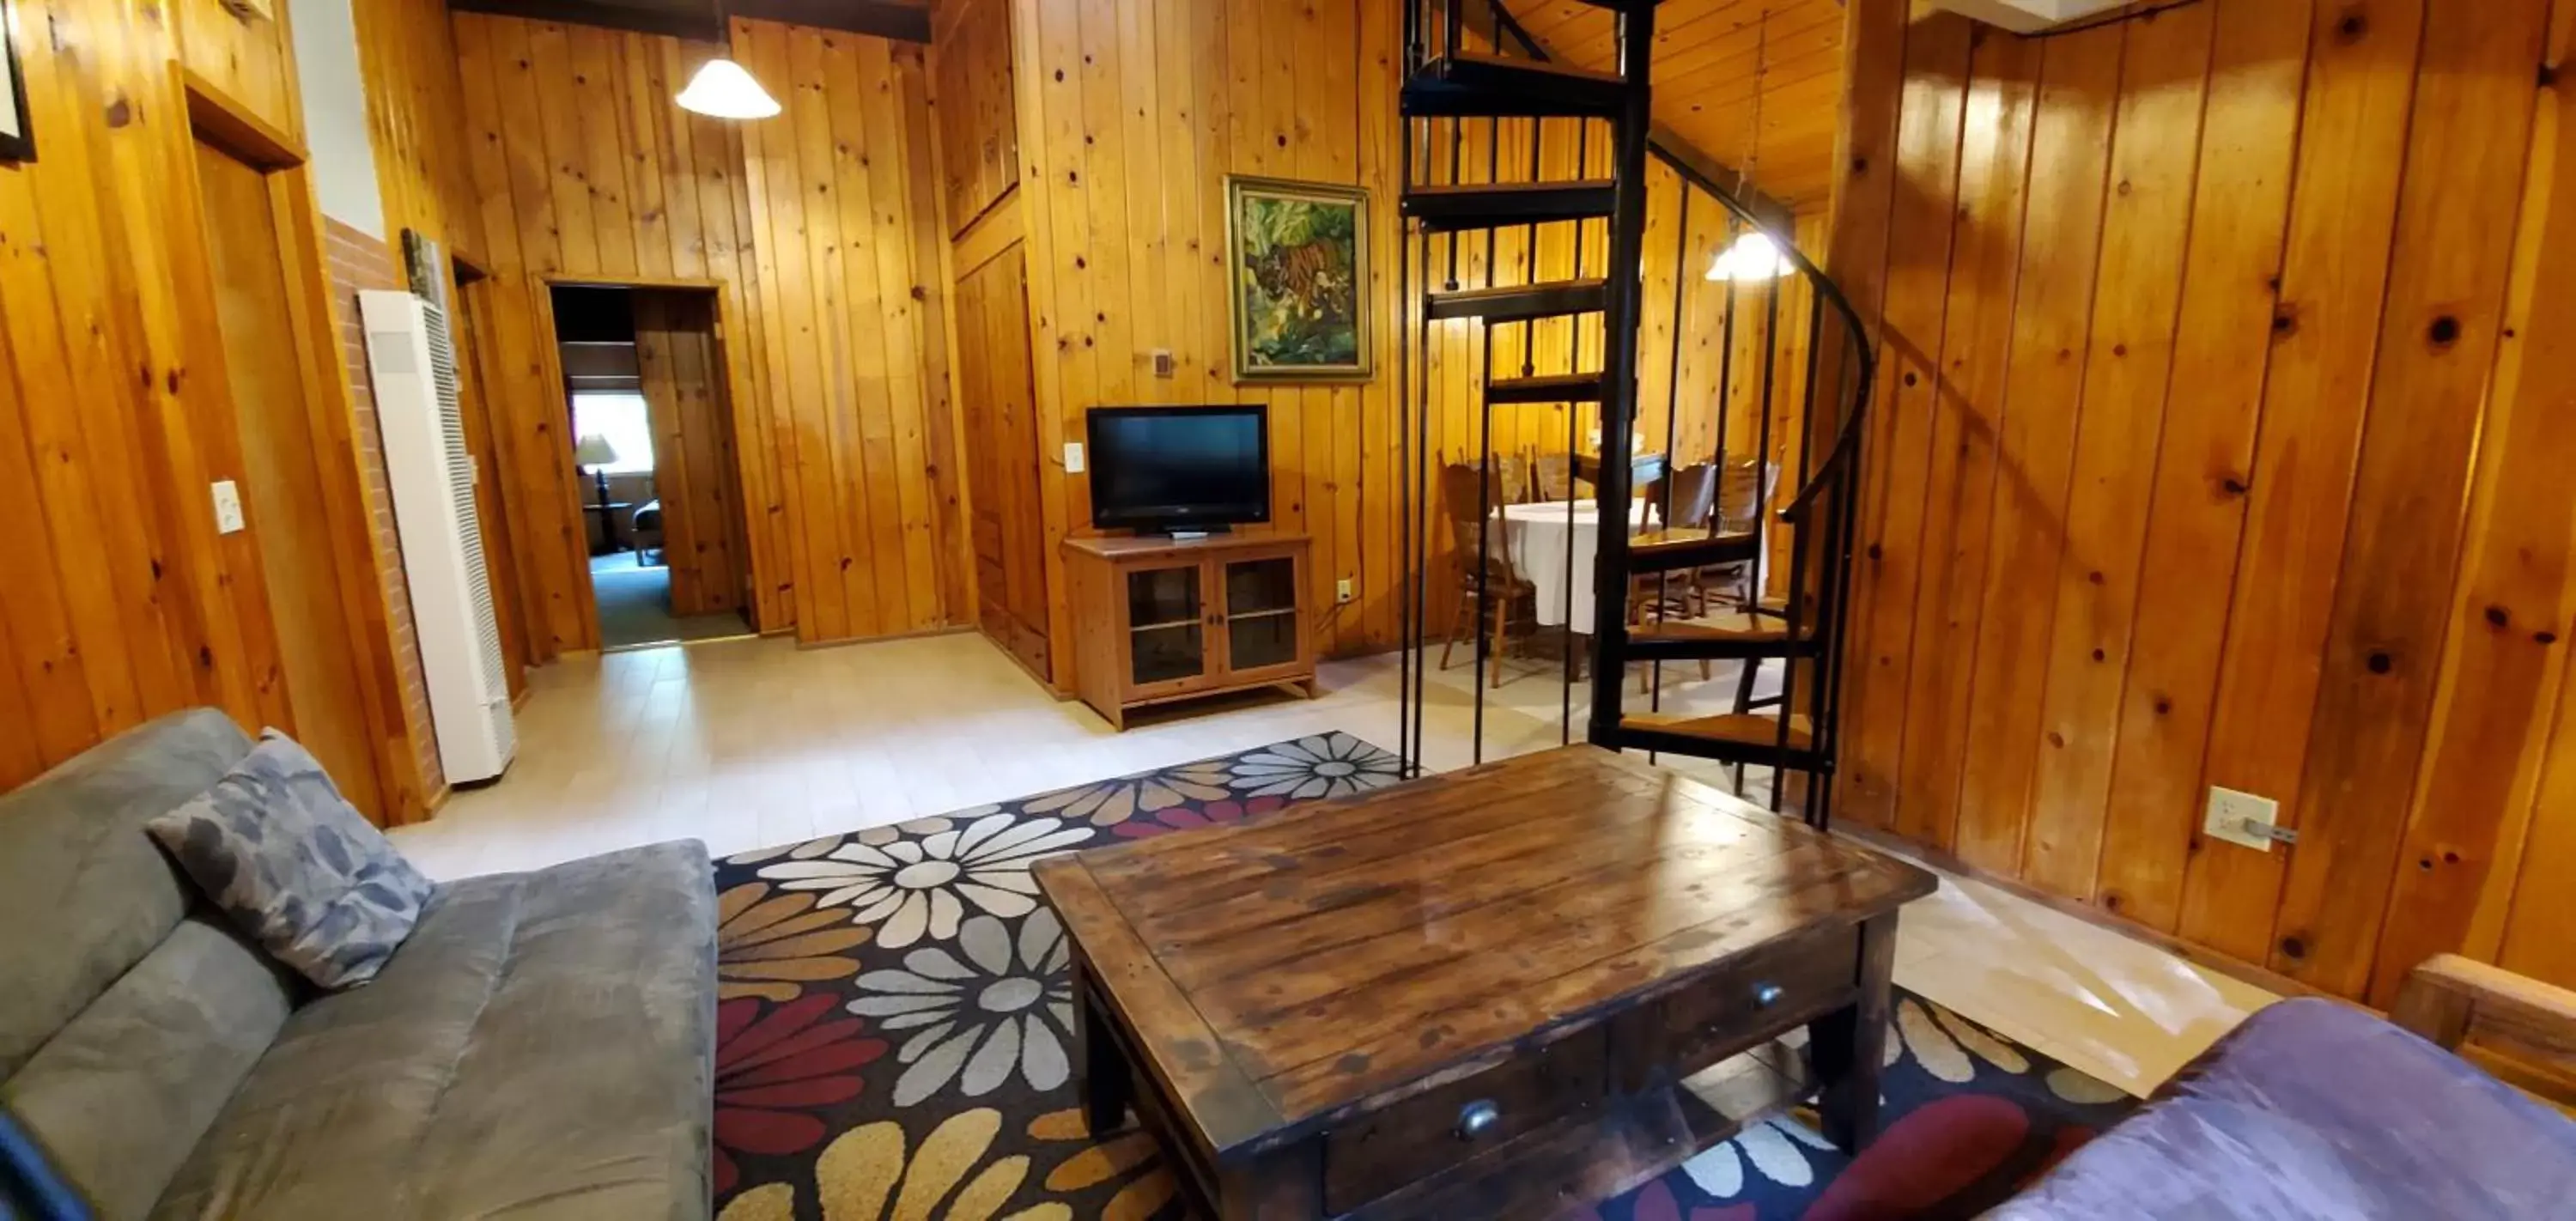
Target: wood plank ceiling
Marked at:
1710, 55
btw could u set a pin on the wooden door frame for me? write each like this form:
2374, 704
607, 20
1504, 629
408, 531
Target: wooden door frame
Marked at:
738, 403
220, 120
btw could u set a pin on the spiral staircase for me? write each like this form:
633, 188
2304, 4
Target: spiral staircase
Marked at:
1467, 65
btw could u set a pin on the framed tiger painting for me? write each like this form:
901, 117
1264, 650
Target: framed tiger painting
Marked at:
1297, 263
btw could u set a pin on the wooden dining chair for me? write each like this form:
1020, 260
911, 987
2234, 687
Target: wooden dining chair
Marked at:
1554, 474
1693, 498
1505, 591
1745, 496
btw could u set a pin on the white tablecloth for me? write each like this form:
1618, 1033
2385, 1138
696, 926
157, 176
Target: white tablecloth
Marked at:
1534, 537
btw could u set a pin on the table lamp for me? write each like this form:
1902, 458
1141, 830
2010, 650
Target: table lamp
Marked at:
593, 453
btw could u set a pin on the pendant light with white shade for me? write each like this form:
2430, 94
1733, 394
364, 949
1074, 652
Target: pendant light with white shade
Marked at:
723, 90
1755, 256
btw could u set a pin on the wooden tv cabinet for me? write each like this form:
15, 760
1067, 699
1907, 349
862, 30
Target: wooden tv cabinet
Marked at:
1160, 619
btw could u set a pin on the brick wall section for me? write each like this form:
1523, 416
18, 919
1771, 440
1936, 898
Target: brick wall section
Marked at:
359, 262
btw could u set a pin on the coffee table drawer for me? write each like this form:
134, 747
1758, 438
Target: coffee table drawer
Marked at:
1723, 1014
1430, 1132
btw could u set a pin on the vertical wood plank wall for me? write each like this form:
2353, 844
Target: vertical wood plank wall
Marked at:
693, 450
2218, 385
821, 229
1131, 114
121, 601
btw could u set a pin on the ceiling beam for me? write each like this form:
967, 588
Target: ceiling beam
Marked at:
609, 14
883, 18
700, 20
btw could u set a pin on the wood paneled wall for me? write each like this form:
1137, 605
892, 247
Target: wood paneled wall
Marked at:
820, 230
979, 128
694, 467
121, 601
1130, 114
2221, 442
853, 304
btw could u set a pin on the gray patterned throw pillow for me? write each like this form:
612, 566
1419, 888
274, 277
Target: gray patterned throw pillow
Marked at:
294, 865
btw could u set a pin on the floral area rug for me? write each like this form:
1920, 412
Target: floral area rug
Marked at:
894, 1037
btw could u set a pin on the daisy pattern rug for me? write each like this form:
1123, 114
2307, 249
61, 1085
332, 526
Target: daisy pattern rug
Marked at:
894, 1037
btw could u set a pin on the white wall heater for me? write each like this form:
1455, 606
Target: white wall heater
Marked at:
413, 362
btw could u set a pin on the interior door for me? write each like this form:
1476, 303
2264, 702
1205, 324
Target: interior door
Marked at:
1002, 452
283, 501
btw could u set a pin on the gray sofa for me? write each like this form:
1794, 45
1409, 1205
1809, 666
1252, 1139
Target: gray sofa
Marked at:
541, 1047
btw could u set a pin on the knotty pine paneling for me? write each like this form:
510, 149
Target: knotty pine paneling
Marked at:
1712, 57
116, 406
820, 230
693, 451
2252, 326
251, 59
976, 106
1131, 113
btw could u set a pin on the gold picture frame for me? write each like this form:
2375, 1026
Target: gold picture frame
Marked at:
1297, 280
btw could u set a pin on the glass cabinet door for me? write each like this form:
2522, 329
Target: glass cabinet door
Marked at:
1166, 625
1261, 613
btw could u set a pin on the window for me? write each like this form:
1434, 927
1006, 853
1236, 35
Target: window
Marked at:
624, 420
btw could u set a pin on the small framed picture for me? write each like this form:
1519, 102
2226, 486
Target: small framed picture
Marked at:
1297, 278
17, 138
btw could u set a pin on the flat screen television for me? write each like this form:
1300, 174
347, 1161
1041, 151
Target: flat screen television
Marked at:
1180, 468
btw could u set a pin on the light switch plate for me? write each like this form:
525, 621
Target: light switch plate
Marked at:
1073, 457
2230, 812
228, 513
1343, 592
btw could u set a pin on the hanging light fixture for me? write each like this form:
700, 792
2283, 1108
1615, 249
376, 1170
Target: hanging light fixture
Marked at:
723, 90
1753, 258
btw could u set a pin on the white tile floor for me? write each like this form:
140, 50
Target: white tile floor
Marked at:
754, 742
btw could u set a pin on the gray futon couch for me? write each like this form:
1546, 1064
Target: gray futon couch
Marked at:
541, 1047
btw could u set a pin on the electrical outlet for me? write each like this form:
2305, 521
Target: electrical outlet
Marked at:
1343, 593
228, 513
1073, 457
2240, 818
1164, 365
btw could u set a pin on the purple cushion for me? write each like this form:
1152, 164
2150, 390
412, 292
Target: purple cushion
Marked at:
2314, 1108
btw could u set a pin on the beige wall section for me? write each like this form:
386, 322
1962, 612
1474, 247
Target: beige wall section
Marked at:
335, 116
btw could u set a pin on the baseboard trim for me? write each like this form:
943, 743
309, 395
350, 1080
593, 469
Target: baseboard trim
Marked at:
2266, 979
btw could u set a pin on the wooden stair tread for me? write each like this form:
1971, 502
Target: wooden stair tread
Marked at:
1521, 302
1546, 388
1482, 205
1469, 57
1734, 728
1690, 631
1468, 83
1666, 550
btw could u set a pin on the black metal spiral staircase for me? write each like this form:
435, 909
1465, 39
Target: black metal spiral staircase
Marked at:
1468, 61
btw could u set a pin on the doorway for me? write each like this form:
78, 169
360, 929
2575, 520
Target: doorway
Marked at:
652, 433
286, 501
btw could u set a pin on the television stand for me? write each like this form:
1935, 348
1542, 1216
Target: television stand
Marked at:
1159, 620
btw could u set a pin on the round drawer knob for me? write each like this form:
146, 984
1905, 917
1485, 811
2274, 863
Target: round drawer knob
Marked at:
1766, 995
1477, 1118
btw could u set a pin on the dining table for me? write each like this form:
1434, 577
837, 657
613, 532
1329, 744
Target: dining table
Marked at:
1551, 545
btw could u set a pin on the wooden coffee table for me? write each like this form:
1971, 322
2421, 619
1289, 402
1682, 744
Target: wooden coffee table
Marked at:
1476, 995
